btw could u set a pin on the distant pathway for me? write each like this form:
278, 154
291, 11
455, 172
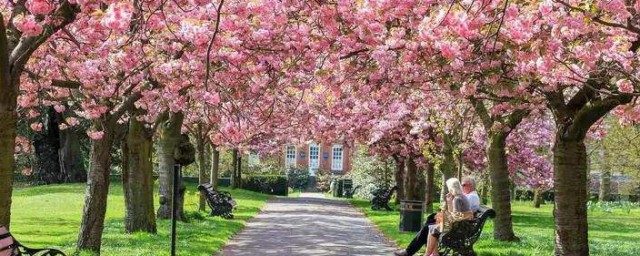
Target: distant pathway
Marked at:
308, 225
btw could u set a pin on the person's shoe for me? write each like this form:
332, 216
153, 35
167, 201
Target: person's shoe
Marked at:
400, 253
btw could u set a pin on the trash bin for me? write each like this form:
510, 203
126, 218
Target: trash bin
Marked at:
410, 215
337, 192
347, 185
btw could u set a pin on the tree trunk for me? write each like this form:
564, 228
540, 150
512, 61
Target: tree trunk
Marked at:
7, 141
215, 166
412, 181
46, 143
137, 179
399, 175
234, 168
71, 161
484, 198
239, 172
95, 203
202, 175
447, 168
430, 187
500, 193
537, 198
605, 186
570, 208
169, 137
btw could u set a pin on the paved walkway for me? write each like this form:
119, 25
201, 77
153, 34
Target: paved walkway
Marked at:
308, 225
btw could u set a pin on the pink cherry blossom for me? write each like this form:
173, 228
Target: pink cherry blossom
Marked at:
625, 86
39, 7
95, 135
28, 25
36, 126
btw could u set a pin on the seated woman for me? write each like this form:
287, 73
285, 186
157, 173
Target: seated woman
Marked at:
458, 207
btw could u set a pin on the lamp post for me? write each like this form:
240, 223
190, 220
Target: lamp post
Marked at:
174, 207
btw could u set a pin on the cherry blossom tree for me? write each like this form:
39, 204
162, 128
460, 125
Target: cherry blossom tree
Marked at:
26, 25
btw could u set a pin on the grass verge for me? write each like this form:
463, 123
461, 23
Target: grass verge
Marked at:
49, 216
610, 233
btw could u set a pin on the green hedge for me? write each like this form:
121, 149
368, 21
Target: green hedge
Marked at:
267, 184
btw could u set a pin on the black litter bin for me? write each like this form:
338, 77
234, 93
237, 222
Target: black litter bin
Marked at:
338, 189
410, 215
347, 185
334, 185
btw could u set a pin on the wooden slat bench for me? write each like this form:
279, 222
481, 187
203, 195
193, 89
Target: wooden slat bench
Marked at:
9, 246
463, 234
381, 198
220, 202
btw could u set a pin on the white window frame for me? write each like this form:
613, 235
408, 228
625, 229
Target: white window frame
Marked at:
290, 156
314, 165
337, 160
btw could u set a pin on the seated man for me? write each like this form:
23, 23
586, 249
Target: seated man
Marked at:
469, 189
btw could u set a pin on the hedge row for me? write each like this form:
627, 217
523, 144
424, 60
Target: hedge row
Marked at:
267, 184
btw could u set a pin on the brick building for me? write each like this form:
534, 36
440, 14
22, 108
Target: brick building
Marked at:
335, 157
324, 156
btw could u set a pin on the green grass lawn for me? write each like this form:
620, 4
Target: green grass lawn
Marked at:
615, 233
49, 216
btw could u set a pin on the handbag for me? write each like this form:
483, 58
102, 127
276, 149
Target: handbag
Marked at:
449, 217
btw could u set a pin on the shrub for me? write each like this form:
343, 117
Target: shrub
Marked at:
267, 184
370, 172
323, 180
298, 178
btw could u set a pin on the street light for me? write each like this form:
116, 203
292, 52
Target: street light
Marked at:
174, 207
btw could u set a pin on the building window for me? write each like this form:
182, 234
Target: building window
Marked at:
254, 159
314, 158
336, 159
290, 157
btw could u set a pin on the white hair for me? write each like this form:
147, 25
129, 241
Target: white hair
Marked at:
454, 187
470, 180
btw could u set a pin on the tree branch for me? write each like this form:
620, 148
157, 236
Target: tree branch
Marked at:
481, 111
66, 84
591, 113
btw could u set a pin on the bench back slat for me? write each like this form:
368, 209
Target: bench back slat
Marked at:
5, 242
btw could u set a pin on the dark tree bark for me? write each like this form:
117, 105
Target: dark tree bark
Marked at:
239, 172
605, 186
570, 209
215, 166
95, 204
500, 193
234, 168
537, 198
71, 161
412, 181
46, 169
15, 53
7, 140
137, 179
430, 188
498, 168
447, 169
202, 173
399, 176
573, 119
169, 138
484, 194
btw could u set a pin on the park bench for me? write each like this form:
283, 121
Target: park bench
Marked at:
349, 192
381, 198
220, 202
9, 246
460, 238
